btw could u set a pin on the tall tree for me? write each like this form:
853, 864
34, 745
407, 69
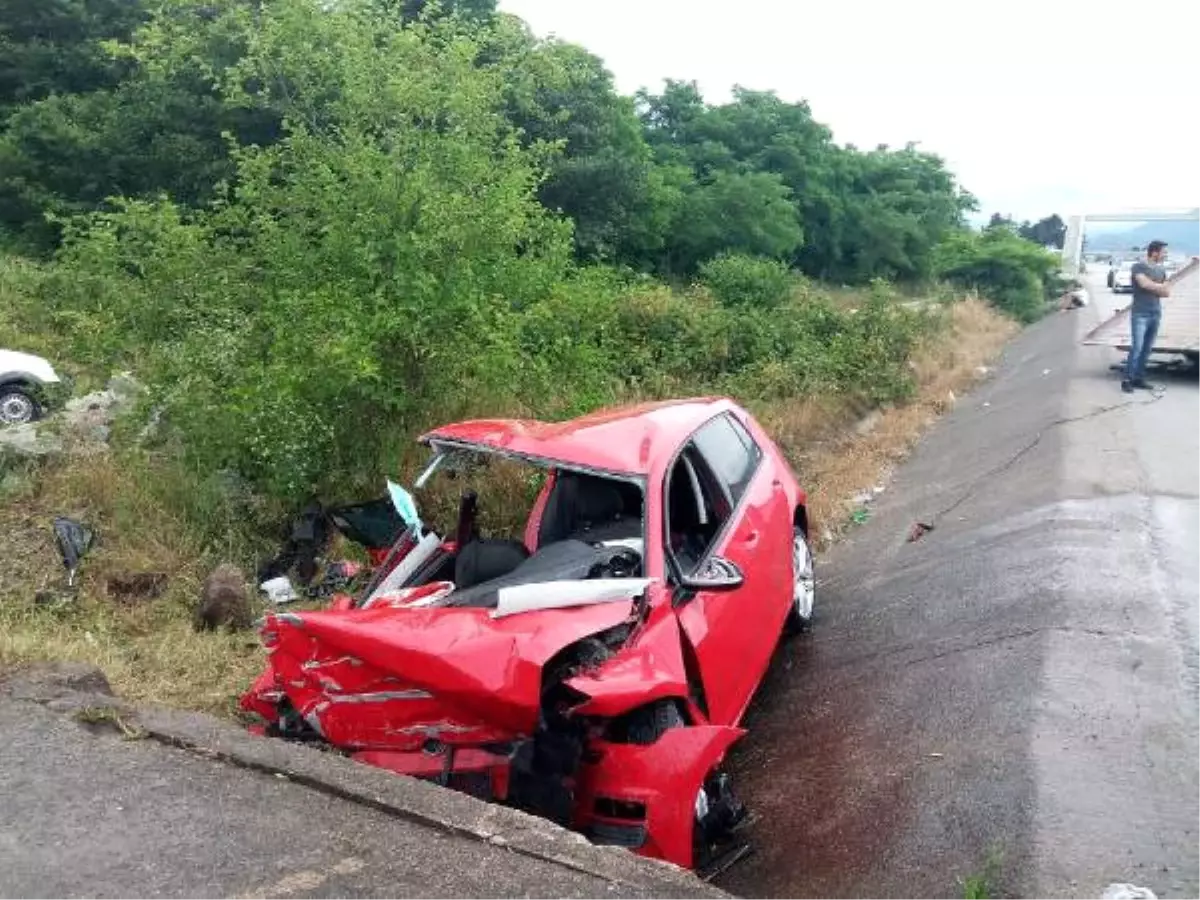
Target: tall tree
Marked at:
1049, 232
56, 47
602, 174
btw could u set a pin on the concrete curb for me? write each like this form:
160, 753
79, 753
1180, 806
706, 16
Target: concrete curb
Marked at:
70, 689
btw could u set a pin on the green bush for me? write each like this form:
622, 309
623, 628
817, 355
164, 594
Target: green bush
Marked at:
739, 280
1017, 276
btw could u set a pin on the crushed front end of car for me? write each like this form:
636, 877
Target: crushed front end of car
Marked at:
577, 714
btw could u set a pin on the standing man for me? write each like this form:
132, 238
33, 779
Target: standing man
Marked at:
1149, 286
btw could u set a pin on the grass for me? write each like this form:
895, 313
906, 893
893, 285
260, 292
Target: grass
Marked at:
150, 518
147, 648
983, 884
107, 716
835, 461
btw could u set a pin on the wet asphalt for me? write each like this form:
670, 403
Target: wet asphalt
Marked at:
1011, 699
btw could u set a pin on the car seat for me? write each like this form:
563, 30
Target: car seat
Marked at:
486, 558
590, 508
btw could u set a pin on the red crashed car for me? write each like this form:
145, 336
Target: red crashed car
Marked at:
594, 671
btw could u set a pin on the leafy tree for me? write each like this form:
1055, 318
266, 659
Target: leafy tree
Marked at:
165, 128
412, 10
56, 47
1017, 276
603, 177
366, 268
861, 215
1048, 232
748, 281
750, 213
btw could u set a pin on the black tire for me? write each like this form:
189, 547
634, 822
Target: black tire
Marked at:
18, 406
797, 621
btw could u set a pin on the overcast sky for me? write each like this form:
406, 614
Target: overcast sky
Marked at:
1047, 122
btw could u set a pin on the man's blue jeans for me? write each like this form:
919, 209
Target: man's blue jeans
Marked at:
1144, 327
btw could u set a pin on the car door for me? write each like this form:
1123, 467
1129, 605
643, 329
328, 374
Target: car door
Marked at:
734, 631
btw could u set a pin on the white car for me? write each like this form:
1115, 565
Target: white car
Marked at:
24, 379
1122, 278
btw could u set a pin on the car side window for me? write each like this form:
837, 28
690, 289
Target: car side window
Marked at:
696, 509
730, 452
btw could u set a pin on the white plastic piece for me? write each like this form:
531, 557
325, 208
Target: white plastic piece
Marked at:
417, 556
1123, 891
565, 594
279, 590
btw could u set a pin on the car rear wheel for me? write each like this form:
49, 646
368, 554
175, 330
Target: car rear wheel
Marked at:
804, 585
16, 406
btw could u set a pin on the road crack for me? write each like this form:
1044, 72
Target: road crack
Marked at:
974, 484
979, 644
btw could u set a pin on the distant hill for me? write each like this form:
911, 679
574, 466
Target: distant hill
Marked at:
1183, 238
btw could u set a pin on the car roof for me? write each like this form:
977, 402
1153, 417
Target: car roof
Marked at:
625, 440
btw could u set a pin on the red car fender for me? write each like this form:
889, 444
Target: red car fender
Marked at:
664, 776
650, 668
263, 694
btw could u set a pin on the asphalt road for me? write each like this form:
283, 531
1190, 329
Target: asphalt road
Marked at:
183, 805
1013, 696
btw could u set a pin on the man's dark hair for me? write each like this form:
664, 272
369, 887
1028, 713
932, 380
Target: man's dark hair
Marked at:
1155, 246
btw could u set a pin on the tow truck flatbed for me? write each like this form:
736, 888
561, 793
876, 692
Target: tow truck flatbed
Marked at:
1179, 331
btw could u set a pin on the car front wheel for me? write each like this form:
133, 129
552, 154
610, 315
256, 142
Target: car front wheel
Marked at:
16, 406
804, 584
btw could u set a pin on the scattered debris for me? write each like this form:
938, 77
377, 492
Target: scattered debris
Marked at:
918, 531
307, 539
868, 423
30, 441
279, 590
937, 755
91, 416
946, 404
1045, 372
127, 586
74, 539
224, 601
54, 597
1124, 891
860, 516
982, 371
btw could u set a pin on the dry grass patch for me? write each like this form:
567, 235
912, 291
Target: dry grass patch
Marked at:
839, 453
145, 646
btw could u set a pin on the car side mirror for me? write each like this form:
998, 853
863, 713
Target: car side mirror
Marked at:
717, 574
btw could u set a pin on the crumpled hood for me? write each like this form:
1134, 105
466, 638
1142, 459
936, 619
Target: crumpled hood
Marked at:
452, 663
